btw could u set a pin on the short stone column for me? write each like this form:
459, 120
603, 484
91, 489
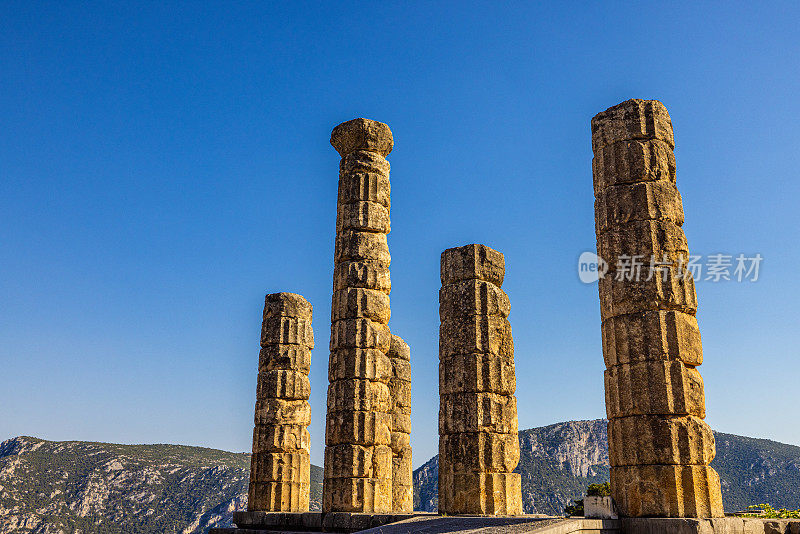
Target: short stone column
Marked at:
659, 445
400, 398
280, 465
358, 453
478, 428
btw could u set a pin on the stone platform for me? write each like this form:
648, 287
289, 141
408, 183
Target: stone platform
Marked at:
521, 524
252, 522
422, 522
722, 525
417, 522
429, 523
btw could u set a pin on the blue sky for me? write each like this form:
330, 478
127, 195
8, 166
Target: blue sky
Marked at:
163, 166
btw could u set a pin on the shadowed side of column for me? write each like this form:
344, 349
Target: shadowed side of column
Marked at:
400, 395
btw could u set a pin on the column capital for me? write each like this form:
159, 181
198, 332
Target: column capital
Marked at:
362, 134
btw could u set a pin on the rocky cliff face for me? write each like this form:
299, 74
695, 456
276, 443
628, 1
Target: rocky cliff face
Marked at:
52, 487
558, 461
579, 447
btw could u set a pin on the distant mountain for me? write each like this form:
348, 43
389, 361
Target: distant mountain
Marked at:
69, 486
558, 461
755, 471
52, 487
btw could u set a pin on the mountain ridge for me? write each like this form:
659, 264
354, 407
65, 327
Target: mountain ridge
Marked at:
63, 486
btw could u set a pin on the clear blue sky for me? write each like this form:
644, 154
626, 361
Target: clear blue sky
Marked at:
163, 166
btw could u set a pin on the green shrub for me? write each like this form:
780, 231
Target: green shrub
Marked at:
599, 490
594, 490
575, 509
767, 511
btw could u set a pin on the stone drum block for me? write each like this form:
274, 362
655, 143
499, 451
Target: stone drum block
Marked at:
630, 162
472, 262
481, 493
292, 496
369, 274
652, 335
471, 297
279, 438
356, 494
653, 388
477, 334
477, 372
632, 119
364, 216
357, 302
477, 412
653, 439
485, 452
285, 357
667, 491
358, 428
617, 206
371, 364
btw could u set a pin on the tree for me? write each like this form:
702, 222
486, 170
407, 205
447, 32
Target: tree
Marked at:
594, 490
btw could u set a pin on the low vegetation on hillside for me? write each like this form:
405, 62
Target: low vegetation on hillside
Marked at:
105, 488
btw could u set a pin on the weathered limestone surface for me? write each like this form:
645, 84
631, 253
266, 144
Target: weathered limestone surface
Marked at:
659, 446
726, 525
654, 439
359, 452
667, 490
478, 442
477, 372
400, 398
659, 387
280, 465
481, 493
604, 522
649, 336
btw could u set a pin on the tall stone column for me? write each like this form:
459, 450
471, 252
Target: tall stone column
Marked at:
400, 397
280, 465
478, 428
659, 445
358, 453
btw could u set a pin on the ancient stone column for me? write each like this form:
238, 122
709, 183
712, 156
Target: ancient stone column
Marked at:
280, 465
358, 453
659, 445
400, 409
478, 442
